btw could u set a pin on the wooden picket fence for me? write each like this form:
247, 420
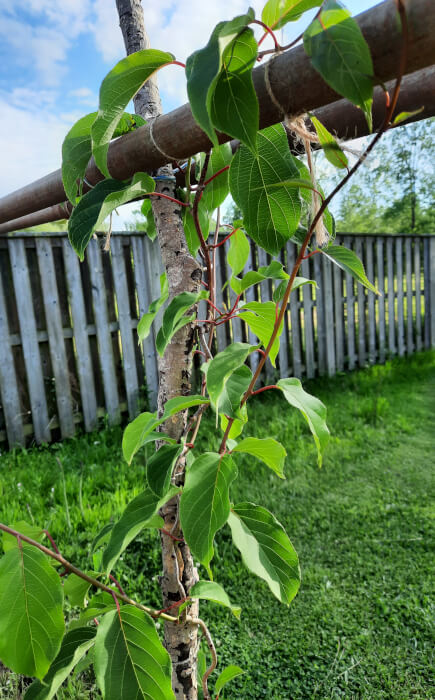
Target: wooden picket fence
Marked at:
68, 344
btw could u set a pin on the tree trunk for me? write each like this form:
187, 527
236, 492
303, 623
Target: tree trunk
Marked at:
184, 274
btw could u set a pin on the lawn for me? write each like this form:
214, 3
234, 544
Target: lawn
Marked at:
362, 624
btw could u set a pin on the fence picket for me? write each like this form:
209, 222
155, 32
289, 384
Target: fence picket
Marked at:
371, 301
350, 307
417, 281
361, 299
295, 316
409, 295
400, 298
328, 302
338, 318
391, 298
9, 393
381, 298
320, 315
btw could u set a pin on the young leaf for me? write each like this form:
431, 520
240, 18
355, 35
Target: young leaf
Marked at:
274, 271
222, 366
234, 105
266, 549
99, 604
174, 318
261, 317
237, 425
210, 590
205, 503
217, 190
268, 450
144, 325
75, 644
270, 216
403, 116
76, 589
31, 620
147, 211
139, 432
331, 149
77, 148
180, 403
203, 68
159, 468
311, 408
138, 515
227, 675
349, 262
98, 203
117, 89
277, 13
190, 231
233, 391
130, 660
338, 51
238, 252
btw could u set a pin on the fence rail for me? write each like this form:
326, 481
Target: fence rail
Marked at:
68, 342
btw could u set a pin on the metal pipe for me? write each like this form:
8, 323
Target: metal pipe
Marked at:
295, 84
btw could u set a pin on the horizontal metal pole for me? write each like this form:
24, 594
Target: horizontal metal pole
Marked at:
295, 85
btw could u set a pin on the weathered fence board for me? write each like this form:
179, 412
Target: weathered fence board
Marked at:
71, 326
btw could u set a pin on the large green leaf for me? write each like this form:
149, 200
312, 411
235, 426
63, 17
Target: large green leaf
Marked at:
145, 323
210, 590
222, 366
338, 51
270, 215
234, 104
311, 408
203, 68
31, 618
349, 262
160, 467
139, 514
205, 502
276, 13
261, 317
130, 660
331, 149
238, 252
174, 318
233, 391
268, 450
77, 148
96, 205
117, 89
227, 675
217, 190
266, 549
75, 644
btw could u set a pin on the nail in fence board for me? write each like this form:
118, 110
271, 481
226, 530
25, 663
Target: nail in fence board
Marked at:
400, 298
409, 298
8, 381
371, 301
295, 316
381, 299
56, 339
103, 332
81, 338
125, 326
29, 340
391, 298
350, 307
417, 285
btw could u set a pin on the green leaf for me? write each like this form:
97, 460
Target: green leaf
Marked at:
76, 588
144, 325
311, 408
268, 450
77, 148
159, 468
266, 549
338, 51
190, 232
270, 216
227, 675
210, 590
261, 317
234, 105
75, 644
130, 660
238, 252
222, 366
99, 604
349, 262
96, 205
101, 537
174, 319
217, 190
31, 619
403, 116
203, 68
32, 531
274, 271
181, 403
139, 432
233, 391
237, 425
138, 515
276, 13
205, 503
117, 89
147, 211
331, 149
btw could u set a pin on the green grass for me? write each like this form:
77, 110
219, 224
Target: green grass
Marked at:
362, 623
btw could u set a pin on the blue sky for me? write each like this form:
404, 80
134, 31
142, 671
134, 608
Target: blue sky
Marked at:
54, 55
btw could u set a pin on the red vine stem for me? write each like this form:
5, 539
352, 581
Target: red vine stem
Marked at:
265, 388
171, 199
222, 170
218, 245
267, 31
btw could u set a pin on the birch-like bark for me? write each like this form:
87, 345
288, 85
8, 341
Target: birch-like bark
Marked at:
184, 274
